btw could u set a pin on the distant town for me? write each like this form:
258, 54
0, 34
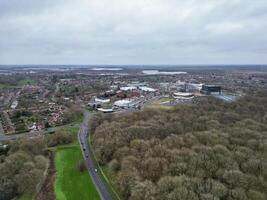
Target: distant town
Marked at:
34, 99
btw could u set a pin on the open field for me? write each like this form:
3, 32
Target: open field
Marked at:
19, 83
162, 100
158, 104
72, 129
70, 182
6, 86
27, 82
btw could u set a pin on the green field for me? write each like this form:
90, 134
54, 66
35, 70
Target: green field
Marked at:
73, 130
6, 86
27, 82
19, 83
70, 183
163, 99
24, 197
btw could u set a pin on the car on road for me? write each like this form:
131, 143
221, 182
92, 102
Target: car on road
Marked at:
95, 170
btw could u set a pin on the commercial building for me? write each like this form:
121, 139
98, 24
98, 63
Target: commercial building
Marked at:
147, 89
211, 89
124, 103
105, 110
193, 87
183, 95
98, 100
130, 88
137, 84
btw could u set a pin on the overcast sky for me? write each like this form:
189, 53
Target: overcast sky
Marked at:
133, 31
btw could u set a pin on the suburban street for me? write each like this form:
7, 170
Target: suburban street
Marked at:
88, 157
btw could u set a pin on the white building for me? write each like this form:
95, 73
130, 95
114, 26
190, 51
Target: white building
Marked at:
183, 95
128, 88
14, 104
104, 110
33, 127
147, 89
98, 100
125, 103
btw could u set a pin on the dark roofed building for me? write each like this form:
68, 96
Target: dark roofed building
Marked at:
209, 89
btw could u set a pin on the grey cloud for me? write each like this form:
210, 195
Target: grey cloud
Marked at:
9, 8
141, 31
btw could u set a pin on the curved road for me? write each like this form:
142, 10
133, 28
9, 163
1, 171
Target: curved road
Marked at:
88, 157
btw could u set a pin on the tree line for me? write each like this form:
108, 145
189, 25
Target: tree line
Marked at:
22, 167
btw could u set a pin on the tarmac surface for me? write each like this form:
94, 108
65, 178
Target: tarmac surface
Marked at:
88, 157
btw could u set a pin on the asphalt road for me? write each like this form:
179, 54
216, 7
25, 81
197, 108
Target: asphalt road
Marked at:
33, 134
2, 134
88, 157
28, 135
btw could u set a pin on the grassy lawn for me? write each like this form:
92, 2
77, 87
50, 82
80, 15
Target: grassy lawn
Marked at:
27, 82
73, 130
163, 99
6, 86
19, 83
24, 197
71, 184
107, 105
158, 104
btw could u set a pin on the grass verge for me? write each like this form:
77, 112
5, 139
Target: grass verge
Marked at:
106, 176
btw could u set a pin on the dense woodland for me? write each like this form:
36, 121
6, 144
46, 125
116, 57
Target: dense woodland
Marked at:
24, 163
22, 168
207, 151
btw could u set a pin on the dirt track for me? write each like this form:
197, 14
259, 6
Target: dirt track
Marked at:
47, 191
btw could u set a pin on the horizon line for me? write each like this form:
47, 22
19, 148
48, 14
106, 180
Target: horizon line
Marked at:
133, 64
